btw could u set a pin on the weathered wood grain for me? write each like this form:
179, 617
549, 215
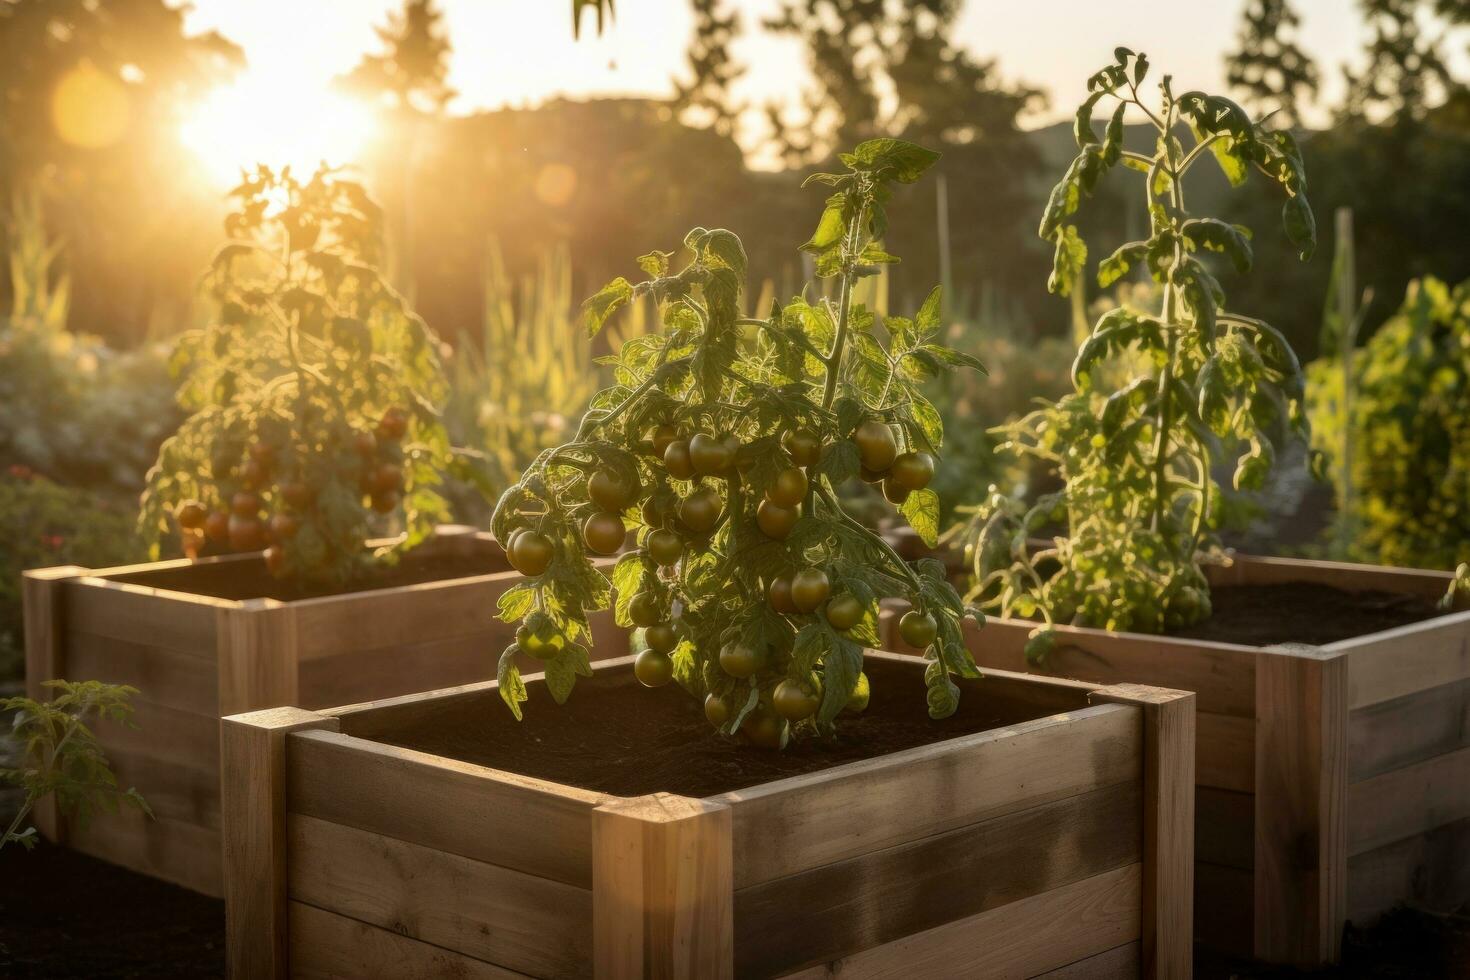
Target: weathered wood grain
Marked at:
518, 921
529, 825
887, 894
1265, 570
1429, 870
1225, 827
662, 885
326, 946
43, 617
1168, 824
177, 620
254, 754
173, 850
1301, 777
1408, 801
1400, 662
257, 647
1393, 734
164, 676
1078, 927
804, 822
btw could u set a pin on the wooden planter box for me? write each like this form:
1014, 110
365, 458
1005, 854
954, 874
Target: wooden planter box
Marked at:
195, 658
1058, 845
1333, 782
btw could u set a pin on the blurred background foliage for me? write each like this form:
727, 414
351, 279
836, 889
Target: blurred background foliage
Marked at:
501, 220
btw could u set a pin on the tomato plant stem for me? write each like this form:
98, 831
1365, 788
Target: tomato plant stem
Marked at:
833, 360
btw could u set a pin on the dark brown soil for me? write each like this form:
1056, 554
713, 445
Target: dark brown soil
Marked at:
1303, 612
616, 736
66, 915
248, 578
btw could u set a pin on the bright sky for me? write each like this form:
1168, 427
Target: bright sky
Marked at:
518, 52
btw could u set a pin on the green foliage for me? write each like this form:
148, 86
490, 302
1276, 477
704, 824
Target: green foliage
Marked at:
1410, 428
727, 391
43, 524
1134, 449
61, 755
314, 396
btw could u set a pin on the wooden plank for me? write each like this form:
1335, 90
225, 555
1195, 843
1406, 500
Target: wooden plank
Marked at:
324, 946
166, 734
1224, 895
1394, 734
43, 617
361, 675
167, 677
254, 754
1264, 570
1044, 934
662, 885
257, 655
174, 850
529, 825
514, 920
1225, 752
797, 824
1115, 964
1408, 801
1301, 781
1222, 675
1429, 870
1399, 662
177, 620
884, 895
1168, 825
400, 616
173, 790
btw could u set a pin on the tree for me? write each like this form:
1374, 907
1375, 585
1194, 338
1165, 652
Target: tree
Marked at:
1406, 72
413, 69
1269, 67
706, 96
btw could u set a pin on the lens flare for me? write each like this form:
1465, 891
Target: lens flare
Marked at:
256, 120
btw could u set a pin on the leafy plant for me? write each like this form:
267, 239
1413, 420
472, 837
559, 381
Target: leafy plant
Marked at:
1136, 456
314, 396
45, 524
1409, 426
724, 439
63, 757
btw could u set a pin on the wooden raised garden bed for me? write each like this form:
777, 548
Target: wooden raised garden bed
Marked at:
199, 641
1333, 780
1046, 829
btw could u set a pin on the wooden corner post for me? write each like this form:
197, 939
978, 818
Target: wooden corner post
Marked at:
43, 606
1168, 826
257, 655
663, 893
1301, 786
253, 798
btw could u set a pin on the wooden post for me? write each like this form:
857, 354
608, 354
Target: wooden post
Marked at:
253, 804
663, 893
43, 605
1168, 826
257, 656
1301, 785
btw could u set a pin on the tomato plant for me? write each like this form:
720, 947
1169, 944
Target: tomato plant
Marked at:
722, 442
1136, 458
1409, 425
313, 396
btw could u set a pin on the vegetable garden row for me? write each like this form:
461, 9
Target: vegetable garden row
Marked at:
695, 758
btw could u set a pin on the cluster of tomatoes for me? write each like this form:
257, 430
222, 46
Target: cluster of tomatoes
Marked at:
244, 526
703, 457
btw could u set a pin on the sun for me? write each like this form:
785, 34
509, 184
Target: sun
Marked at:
275, 121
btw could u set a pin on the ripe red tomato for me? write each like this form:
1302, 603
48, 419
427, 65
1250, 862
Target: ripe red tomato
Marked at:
662, 436
611, 491
385, 503
284, 527
710, 455
665, 547
677, 461
245, 504
700, 511
297, 494
217, 527
246, 533
393, 425
192, 514
275, 560
779, 596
